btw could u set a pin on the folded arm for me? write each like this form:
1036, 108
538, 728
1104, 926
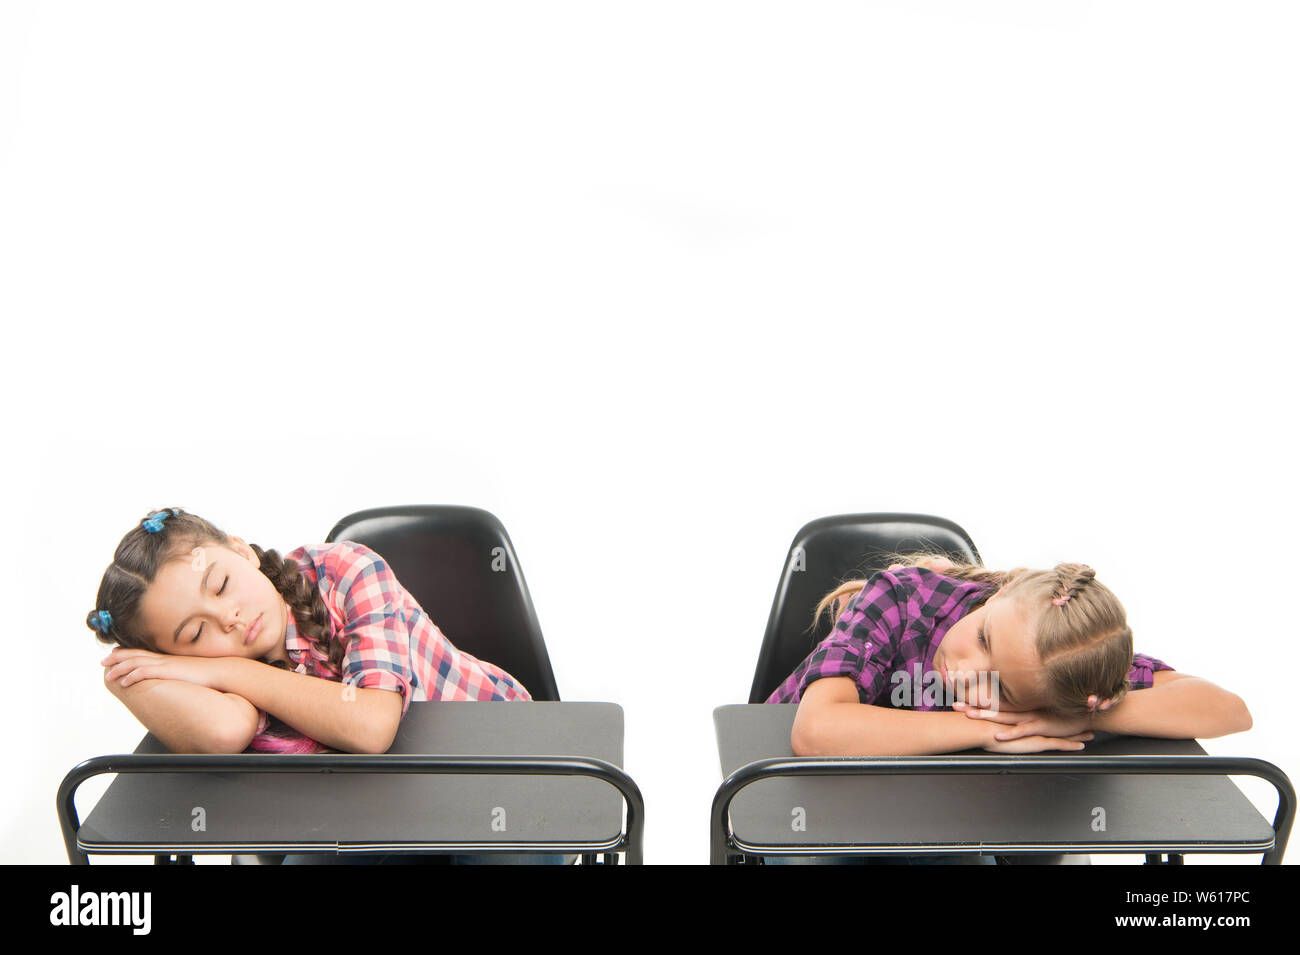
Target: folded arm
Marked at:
832, 722
189, 718
344, 717
1176, 706
347, 718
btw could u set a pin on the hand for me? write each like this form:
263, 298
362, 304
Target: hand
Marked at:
1031, 722
132, 666
1022, 723
1031, 731
1035, 744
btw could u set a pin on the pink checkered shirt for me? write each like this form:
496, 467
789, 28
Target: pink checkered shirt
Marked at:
391, 643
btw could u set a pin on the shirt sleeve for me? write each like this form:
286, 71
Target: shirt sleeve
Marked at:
376, 631
863, 641
1143, 672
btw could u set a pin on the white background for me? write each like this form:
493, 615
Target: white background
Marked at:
656, 284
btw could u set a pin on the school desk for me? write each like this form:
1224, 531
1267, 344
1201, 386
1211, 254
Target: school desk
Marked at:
1121, 794
459, 778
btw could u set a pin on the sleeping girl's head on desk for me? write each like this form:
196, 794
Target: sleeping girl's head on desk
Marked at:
1034, 660
1055, 641
1058, 640
195, 613
180, 585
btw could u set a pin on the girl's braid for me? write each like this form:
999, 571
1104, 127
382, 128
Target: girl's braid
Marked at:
1070, 579
308, 606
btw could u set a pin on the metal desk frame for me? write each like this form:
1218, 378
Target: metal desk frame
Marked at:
725, 850
628, 842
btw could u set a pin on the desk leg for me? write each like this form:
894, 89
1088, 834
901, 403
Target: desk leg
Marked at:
589, 858
611, 858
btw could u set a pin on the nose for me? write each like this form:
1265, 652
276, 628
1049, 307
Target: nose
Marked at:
970, 688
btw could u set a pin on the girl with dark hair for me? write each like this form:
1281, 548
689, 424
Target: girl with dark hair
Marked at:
222, 646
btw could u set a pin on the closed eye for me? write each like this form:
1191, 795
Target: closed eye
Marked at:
219, 593
1003, 695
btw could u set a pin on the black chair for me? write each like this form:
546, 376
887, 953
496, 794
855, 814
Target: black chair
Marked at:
459, 565
825, 553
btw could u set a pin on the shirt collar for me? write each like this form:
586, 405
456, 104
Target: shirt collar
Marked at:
294, 641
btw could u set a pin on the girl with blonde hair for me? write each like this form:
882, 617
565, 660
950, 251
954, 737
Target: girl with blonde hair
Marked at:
931, 656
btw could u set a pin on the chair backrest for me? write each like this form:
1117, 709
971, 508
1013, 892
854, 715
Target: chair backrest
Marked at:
824, 554
459, 565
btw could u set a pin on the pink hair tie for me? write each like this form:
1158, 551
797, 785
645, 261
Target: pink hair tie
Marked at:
1060, 601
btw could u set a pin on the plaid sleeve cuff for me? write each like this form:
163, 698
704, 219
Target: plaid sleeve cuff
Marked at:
1142, 674
382, 680
840, 659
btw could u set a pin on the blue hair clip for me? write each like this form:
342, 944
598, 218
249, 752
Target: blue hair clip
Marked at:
154, 522
102, 621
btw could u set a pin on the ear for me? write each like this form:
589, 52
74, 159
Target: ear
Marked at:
237, 544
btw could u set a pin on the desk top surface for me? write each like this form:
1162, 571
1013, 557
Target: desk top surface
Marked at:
268, 812
1005, 813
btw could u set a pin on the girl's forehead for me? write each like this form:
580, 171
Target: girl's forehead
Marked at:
1008, 625
1005, 609
187, 566
178, 580
196, 556
1015, 656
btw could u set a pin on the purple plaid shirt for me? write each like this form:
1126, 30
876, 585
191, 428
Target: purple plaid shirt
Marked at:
894, 626
391, 643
